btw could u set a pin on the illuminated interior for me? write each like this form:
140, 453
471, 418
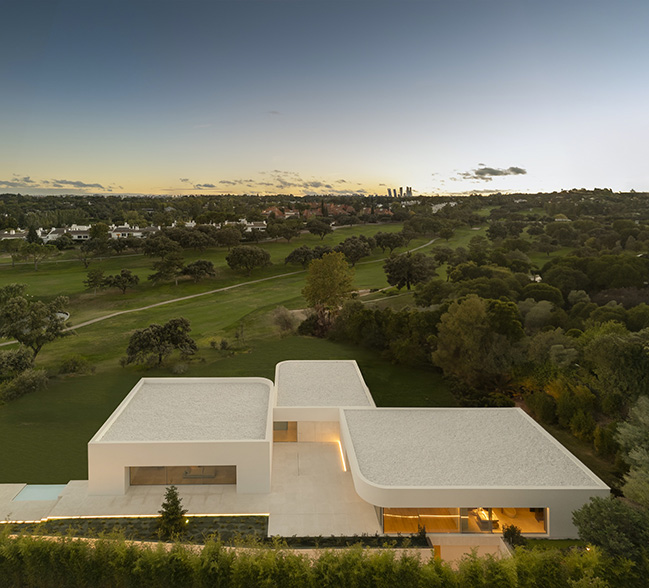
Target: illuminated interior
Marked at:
463, 520
180, 475
284, 431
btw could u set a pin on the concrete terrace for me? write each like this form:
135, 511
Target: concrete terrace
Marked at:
310, 495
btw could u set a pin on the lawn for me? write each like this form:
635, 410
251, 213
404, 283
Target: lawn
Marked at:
44, 435
66, 277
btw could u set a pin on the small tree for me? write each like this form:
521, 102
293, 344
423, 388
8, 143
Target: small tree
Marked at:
160, 246
95, 280
169, 267
354, 248
156, 342
228, 237
33, 236
172, 515
409, 269
123, 280
328, 283
302, 255
14, 247
318, 227
32, 323
247, 258
199, 270
37, 252
389, 241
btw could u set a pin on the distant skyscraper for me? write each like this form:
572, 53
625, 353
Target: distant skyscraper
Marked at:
389, 193
400, 191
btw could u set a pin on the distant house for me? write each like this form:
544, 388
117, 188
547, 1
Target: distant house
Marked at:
123, 231
273, 210
78, 233
13, 234
249, 226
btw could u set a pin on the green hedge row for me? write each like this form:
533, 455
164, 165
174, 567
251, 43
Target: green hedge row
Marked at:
32, 562
146, 528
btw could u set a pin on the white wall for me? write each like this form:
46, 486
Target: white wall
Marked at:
318, 432
108, 463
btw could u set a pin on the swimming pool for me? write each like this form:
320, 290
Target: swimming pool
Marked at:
40, 492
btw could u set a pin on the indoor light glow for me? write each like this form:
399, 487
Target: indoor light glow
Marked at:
342, 456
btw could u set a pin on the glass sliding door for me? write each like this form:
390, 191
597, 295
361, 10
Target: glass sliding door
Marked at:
464, 520
181, 475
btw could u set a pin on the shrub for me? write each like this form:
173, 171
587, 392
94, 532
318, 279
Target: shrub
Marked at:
77, 364
30, 380
512, 536
310, 326
179, 368
283, 319
15, 361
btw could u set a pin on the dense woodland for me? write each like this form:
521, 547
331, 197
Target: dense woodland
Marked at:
566, 337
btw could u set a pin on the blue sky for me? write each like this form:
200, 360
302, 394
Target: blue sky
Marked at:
323, 96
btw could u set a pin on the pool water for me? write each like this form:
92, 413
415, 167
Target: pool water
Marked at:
40, 492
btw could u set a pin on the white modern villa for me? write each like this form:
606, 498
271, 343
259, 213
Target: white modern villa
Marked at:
314, 453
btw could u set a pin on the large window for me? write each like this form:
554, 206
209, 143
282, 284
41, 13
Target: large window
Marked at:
463, 520
165, 475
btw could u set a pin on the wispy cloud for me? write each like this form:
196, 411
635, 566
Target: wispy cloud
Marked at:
76, 184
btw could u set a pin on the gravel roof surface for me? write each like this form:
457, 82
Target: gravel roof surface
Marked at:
320, 383
200, 411
460, 447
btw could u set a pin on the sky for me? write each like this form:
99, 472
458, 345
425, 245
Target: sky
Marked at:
323, 96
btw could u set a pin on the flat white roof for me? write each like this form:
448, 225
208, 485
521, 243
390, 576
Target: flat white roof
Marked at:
461, 447
321, 383
191, 409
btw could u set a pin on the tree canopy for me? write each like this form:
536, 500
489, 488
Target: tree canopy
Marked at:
409, 269
31, 322
156, 342
247, 258
329, 282
477, 340
123, 280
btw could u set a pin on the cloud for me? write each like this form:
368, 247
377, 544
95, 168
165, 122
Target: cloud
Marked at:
184, 180
203, 186
76, 184
228, 182
12, 184
486, 174
275, 113
24, 179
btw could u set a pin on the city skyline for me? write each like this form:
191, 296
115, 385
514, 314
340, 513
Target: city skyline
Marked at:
323, 97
